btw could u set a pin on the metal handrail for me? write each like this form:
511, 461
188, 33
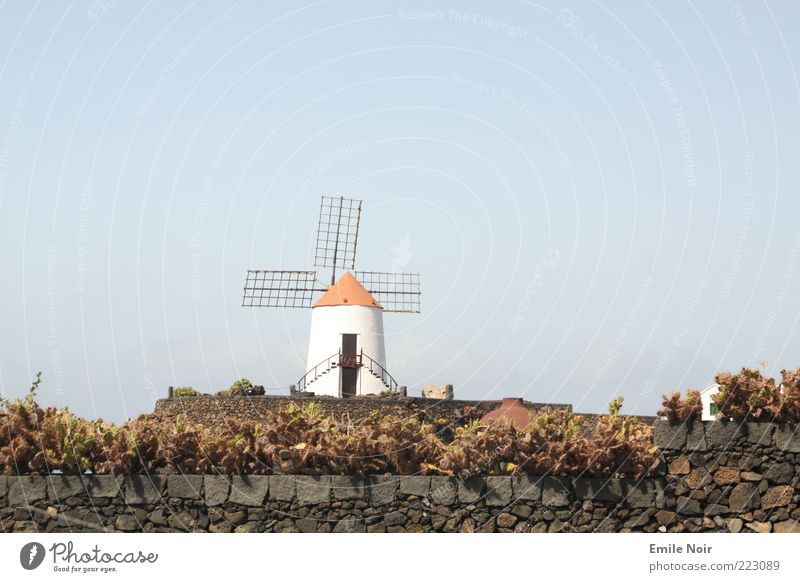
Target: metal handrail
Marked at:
304, 381
347, 360
384, 376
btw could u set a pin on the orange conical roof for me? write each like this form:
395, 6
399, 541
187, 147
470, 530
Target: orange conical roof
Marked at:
347, 291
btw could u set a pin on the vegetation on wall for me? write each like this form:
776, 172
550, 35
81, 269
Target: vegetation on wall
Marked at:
302, 439
242, 387
679, 410
184, 392
747, 396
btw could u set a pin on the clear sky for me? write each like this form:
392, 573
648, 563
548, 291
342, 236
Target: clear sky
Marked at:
601, 198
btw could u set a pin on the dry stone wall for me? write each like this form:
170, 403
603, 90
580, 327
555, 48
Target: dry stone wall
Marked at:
727, 476
210, 409
713, 477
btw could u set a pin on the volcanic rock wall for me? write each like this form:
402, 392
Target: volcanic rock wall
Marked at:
714, 477
212, 409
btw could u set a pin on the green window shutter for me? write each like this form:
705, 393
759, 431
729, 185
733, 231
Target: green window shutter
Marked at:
712, 409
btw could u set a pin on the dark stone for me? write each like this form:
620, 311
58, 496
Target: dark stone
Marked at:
235, 517
26, 489
522, 511
723, 434
285, 526
25, 527
216, 489
527, 487
382, 489
184, 486
717, 496
638, 520
713, 509
780, 473
181, 521
696, 438
22, 513
157, 517
642, 494
126, 523
3, 486
253, 489
760, 433
313, 490
306, 525
59, 487
347, 487
555, 491
350, 525
498, 491
443, 490
414, 485
470, 489
598, 489
105, 486
665, 517
395, 518
506, 520
787, 438
607, 525
697, 459
143, 489
669, 437
689, 506
744, 497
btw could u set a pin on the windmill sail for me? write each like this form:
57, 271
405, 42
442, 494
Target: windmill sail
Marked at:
292, 289
337, 233
396, 292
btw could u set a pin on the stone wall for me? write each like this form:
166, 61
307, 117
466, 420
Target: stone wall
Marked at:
713, 477
285, 503
730, 477
210, 409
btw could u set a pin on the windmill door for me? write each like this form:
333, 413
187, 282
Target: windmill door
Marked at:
348, 365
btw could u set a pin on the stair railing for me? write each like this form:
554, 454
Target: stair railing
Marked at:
360, 360
324, 366
379, 371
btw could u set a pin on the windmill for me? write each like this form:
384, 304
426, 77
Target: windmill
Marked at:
346, 351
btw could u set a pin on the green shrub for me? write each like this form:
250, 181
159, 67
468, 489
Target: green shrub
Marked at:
243, 387
184, 391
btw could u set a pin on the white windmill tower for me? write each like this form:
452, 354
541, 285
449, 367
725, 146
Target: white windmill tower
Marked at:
346, 350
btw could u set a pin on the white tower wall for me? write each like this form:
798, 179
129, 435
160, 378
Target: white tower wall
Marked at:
328, 323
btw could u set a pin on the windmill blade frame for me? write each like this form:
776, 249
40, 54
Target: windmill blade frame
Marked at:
396, 292
280, 288
337, 233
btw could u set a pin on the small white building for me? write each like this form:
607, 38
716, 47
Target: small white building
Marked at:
346, 351
709, 408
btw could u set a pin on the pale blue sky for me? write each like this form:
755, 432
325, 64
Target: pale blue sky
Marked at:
601, 198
